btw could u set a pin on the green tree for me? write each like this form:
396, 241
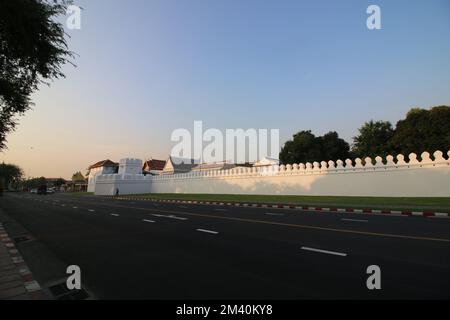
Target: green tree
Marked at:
306, 147
33, 49
423, 130
33, 183
333, 147
373, 139
10, 174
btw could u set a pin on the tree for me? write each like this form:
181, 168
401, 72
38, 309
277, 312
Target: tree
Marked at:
306, 147
333, 147
33, 183
33, 49
423, 130
373, 139
9, 174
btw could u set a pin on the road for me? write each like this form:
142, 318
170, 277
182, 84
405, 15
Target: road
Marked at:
147, 250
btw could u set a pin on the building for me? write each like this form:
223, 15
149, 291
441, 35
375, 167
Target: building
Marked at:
98, 168
213, 166
266, 162
153, 167
178, 165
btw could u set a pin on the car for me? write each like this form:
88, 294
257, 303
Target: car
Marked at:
34, 191
42, 190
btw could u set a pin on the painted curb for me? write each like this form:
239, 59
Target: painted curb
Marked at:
408, 213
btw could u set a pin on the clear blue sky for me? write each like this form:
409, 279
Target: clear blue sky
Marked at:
148, 67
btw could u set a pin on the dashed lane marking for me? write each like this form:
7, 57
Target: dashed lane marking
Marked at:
325, 251
169, 216
208, 231
300, 226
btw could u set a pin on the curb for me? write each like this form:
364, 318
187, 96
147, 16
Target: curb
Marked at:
294, 207
31, 285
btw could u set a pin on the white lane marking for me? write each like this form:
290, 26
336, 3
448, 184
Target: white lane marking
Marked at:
169, 216
63, 205
146, 220
75, 207
355, 220
274, 214
114, 214
91, 210
207, 231
325, 251
220, 209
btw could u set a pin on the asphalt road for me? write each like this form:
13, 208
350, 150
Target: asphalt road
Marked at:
146, 250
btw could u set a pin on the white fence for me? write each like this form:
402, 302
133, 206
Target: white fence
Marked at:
392, 177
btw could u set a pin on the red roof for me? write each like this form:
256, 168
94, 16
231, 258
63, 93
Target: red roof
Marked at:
104, 163
154, 164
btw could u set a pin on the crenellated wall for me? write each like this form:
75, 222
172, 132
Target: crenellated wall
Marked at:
378, 177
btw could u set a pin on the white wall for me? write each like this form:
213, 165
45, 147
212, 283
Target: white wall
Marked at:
427, 178
107, 184
130, 166
94, 173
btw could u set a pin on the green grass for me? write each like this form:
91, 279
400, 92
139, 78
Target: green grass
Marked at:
433, 204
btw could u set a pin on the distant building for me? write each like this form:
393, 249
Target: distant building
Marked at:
178, 165
55, 182
266, 162
213, 166
153, 166
101, 167
78, 183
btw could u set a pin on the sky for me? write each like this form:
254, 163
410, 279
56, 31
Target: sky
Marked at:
145, 68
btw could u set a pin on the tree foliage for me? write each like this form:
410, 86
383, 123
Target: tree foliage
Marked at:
373, 139
423, 130
33, 49
10, 174
33, 183
306, 147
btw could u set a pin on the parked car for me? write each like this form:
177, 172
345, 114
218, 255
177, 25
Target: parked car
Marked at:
33, 190
42, 190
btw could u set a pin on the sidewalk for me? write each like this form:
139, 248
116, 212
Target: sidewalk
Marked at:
16, 280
